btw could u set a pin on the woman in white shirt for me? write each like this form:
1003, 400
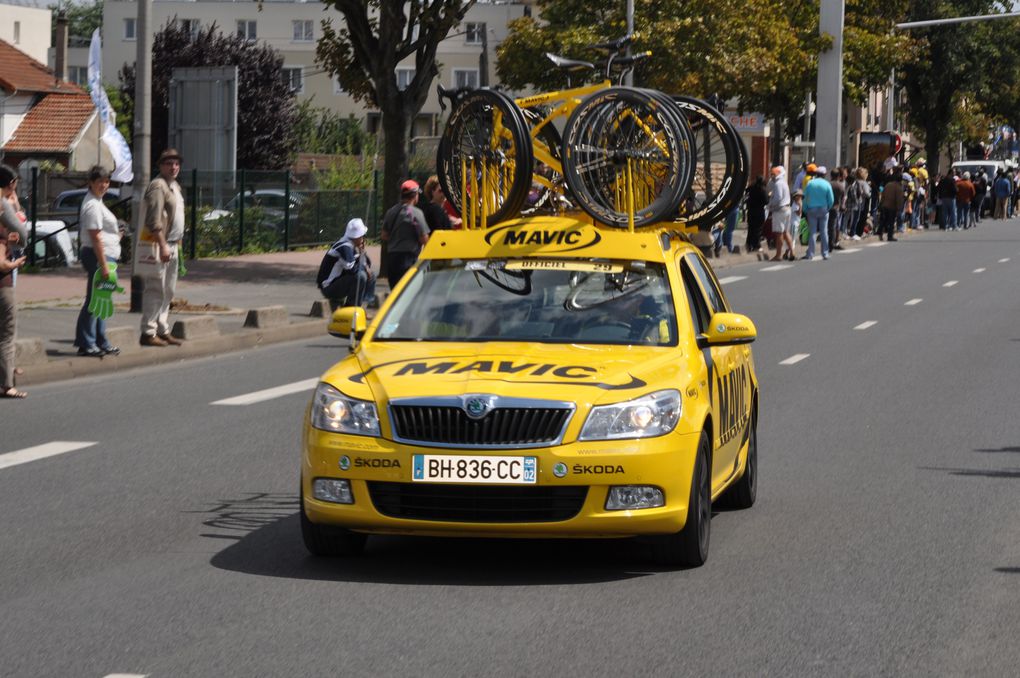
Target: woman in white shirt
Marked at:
100, 246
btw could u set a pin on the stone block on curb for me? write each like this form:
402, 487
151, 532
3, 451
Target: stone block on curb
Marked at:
267, 316
320, 309
196, 327
126, 338
29, 352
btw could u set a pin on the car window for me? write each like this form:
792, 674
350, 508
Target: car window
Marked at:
274, 201
700, 315
70, 201
557, 301
716, 300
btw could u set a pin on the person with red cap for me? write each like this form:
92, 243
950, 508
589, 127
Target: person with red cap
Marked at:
404, 230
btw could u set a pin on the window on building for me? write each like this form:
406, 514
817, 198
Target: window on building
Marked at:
129, 29
465, 77
404, 78
17, 32
294, 77
189, 26
473, 33
303, 30
246, 30
79, 75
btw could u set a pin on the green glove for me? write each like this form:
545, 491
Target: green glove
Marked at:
101, 305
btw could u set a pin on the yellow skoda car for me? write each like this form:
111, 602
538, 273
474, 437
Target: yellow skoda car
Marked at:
544, 377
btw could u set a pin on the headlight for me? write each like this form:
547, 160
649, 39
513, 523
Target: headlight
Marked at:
646, 417
333, 411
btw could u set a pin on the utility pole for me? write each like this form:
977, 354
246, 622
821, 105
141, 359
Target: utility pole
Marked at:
829, 103
630, 31
143, 135
483, 58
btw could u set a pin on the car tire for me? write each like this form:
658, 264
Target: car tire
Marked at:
689, 546
743, 493
329, 541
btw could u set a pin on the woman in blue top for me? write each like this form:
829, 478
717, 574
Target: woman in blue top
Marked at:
818, 200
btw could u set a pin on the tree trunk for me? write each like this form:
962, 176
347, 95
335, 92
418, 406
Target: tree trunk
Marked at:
396, 125
932, 141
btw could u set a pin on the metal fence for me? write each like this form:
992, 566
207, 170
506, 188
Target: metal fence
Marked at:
226, 212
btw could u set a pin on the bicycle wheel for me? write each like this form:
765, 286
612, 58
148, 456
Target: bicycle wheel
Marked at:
720, 168
623, 149
484, 158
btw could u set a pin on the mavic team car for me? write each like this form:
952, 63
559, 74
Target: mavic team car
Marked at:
541, 378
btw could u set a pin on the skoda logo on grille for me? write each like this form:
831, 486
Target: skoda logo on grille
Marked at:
477, 407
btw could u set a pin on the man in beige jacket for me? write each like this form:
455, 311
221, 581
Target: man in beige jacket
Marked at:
158, 249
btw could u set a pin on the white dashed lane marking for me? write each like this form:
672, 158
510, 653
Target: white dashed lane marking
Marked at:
979, 270
731, 279
950, 283
794, 359
777, 267
269, 393
1003, 261
913, 302
866, 324
851, 250
40, 452
876, 244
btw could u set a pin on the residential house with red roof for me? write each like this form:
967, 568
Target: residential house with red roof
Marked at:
43, 118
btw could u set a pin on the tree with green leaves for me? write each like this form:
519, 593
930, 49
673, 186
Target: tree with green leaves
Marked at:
265, 102
320, 130
949, 71
82, 18
762, 53
363, 54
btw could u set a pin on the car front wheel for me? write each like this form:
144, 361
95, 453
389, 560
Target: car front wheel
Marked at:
689, 546
328, 540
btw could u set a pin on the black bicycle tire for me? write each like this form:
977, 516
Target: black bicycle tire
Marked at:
737, 164
448, 157
584, 122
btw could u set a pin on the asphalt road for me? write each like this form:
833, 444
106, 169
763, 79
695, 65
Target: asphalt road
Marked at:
886, 538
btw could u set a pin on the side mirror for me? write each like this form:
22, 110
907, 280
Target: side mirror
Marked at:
728, 329
348, 323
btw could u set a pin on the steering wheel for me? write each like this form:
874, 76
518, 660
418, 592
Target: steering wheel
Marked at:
516, 282
571, 303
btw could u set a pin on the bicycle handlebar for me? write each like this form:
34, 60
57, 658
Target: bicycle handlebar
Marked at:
613, 45
452, 94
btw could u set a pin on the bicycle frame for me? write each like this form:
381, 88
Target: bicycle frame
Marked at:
568, 99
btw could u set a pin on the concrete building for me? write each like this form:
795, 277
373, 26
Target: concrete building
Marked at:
293, 26
26, 26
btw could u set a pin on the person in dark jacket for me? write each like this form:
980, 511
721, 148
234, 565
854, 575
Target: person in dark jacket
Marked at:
345, 275
946, 190
757, 199
890, 206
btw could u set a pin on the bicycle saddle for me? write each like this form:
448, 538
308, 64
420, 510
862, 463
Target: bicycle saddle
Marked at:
570, 64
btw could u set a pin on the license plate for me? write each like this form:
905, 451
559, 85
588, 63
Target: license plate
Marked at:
455, 468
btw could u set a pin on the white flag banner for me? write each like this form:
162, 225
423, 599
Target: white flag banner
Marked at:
114, 140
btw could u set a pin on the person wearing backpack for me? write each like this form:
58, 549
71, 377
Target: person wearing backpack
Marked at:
405, 231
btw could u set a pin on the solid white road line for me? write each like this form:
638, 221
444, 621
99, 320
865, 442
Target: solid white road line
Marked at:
269, 393
876, 244
979, 270
794, 359
950, 283
913, 302
777, 267
866, 324
731, 279
850, 251
127, 675
1003, 261
40, 452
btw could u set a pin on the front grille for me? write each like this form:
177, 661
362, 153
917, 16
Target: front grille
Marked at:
502, 426
477, 503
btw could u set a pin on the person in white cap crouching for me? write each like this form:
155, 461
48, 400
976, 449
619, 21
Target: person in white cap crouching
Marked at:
345, 275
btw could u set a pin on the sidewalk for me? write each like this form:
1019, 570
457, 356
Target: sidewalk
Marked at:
48, 305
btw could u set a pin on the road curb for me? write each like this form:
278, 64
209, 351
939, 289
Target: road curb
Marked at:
71, 368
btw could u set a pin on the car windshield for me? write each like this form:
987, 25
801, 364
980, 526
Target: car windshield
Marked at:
549, 301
